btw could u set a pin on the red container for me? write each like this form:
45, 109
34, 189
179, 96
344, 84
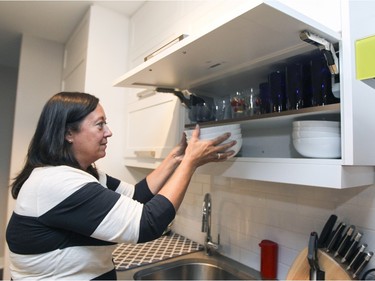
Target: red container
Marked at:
268, 259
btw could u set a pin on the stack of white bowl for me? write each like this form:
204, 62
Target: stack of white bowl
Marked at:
317, 139
209, 133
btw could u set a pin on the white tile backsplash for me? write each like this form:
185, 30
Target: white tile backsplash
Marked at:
245, 212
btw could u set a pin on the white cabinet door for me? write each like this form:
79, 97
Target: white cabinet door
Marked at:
75, 80
75, 57
147, 38
154, 126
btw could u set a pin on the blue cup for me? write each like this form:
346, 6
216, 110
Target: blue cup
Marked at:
295, 86
276, 82
321, 82
265, 98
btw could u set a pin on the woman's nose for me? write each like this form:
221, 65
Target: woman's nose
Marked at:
107, 132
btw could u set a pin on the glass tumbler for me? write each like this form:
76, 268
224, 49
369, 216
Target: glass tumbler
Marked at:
265, 98
252, 102
295, 91
321, 82
276, 82
222, 108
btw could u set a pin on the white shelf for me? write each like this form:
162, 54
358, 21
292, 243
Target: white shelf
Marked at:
328, 173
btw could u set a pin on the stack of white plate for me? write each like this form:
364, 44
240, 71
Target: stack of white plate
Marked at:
317, 139
209, 133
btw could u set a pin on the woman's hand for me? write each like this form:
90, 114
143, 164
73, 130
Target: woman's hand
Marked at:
157, 178
179, 151
201, 152
197, 153
190, 156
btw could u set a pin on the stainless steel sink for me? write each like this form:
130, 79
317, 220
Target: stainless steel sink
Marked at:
195, 269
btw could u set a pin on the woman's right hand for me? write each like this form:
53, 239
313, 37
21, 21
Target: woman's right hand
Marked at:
200, 152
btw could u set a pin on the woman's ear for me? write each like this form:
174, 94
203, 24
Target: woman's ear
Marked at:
69, 136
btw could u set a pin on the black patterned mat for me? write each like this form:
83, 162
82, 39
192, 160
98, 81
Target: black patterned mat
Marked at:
127, 256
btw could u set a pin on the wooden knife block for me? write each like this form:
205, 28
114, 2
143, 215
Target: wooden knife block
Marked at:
300, 269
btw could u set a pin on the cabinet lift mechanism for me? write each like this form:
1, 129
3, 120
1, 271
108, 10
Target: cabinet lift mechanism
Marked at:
325, 47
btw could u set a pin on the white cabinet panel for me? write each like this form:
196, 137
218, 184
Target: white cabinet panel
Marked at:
147, 38
154, 126
75, 80
246, 41
76, 48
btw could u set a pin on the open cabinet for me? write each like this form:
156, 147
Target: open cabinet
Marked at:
154, 126
240, 50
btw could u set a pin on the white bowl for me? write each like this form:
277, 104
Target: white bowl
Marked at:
215, 135
233, 137
223, 128
316, 123
236, 148
313, 134
216, 130
328, 147
317, 129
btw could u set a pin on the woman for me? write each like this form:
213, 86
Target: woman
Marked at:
69, 215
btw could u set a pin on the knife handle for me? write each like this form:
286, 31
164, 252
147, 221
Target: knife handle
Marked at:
326, 231
351, 250
356, 257
345, 242
335, 237
363, 264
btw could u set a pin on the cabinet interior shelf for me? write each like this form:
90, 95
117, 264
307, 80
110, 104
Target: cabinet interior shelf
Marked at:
330, 112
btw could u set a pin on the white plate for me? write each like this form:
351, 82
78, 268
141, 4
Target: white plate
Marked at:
317, 129
316, 123
217, 129
314, 134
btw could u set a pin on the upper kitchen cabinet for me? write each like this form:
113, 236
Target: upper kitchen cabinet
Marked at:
91, 49
239, 49
240, 42
75, 53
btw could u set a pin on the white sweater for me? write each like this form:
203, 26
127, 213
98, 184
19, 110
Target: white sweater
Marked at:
66, 223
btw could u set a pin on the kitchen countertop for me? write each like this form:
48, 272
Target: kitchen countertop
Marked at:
127, 256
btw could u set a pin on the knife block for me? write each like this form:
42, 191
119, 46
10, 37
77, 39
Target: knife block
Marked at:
300, 269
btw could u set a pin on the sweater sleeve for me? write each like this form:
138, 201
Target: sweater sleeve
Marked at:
142, 192
156, 215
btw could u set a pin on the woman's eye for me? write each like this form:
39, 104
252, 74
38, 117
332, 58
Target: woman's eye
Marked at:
101, 124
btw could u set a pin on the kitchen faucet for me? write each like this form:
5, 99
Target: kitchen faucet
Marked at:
209, 245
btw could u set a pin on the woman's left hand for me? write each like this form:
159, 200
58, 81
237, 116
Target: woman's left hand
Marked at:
179, 151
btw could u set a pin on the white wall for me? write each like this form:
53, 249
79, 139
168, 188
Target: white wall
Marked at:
8, 82
39, 78
245, 212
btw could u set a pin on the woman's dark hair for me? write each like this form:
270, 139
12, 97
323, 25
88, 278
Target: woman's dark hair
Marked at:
63, 113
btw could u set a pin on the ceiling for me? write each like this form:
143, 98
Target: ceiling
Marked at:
52, 20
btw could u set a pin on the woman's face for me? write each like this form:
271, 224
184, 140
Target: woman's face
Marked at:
90, 142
